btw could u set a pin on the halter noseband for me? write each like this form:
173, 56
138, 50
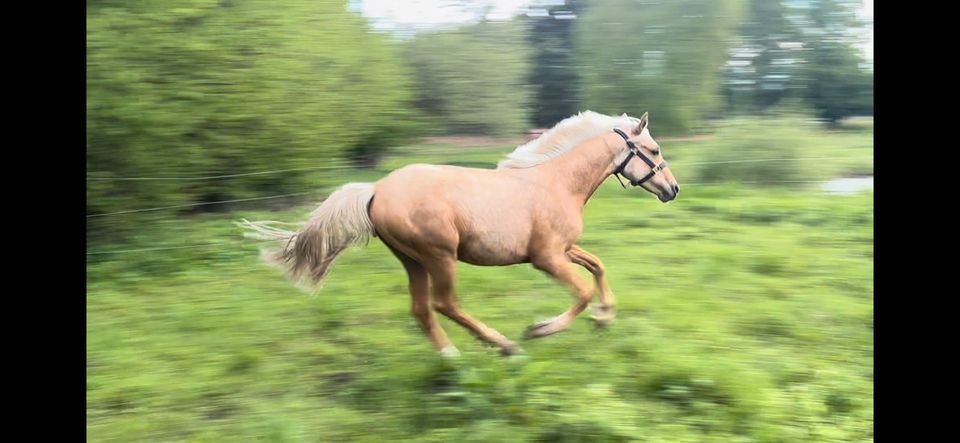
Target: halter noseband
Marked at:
634, 150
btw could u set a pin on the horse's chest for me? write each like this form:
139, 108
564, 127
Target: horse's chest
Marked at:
561, 226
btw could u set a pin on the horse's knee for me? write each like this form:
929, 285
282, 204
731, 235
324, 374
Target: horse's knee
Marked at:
598, 269
596, 265
444, 307
421, 311
585, 296
591, 264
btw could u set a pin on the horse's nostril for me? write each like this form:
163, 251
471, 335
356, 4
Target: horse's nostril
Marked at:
676, 188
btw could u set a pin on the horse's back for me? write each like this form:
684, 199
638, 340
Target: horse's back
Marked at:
426, 181
417, 196
479, 213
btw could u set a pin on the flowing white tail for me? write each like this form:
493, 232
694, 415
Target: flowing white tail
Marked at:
308, 254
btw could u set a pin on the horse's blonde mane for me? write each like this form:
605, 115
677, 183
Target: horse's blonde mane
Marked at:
564, 136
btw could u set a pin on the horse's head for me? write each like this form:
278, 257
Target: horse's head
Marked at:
641, 161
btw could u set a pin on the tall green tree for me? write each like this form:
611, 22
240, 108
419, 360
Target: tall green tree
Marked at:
554, 76
473, 79
659, 57
836, 83
763, 68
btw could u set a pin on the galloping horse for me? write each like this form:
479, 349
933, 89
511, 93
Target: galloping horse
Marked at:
528, 210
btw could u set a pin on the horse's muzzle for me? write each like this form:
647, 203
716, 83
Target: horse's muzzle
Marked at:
671, 194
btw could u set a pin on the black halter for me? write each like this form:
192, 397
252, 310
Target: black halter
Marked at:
634, 150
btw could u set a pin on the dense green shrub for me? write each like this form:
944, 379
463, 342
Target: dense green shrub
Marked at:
201, 88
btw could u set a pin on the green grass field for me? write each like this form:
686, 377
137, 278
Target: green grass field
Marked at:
745, 314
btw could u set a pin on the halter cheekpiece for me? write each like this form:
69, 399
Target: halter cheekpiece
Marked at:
655, 169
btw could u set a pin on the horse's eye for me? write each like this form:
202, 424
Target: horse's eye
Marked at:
655, 152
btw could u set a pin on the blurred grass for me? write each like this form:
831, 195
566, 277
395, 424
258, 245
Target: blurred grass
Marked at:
745, 314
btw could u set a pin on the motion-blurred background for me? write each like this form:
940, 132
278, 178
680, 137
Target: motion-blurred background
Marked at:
745, 306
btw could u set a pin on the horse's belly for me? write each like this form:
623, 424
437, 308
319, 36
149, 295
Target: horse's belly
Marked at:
492, 249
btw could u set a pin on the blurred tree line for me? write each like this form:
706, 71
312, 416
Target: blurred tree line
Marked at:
799, 50
221, 87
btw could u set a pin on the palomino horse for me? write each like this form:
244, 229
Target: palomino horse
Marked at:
528, 210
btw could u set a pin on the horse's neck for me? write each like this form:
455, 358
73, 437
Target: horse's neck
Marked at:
582, 170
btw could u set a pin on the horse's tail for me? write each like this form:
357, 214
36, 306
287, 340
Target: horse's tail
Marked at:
341, 221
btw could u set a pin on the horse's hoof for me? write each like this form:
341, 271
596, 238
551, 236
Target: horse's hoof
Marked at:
512, 350
603, 315
450, 352
601, 322
539, 329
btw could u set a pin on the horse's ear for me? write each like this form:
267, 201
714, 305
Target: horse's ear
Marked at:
644, 120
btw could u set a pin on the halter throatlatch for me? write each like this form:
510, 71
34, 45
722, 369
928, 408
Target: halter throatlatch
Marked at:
655, 169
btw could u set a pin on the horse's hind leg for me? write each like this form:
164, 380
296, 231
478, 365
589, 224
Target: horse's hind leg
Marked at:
420, 306
604, 313
558, 266
442, 273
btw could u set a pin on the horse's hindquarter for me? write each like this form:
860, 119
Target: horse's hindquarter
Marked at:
483, 216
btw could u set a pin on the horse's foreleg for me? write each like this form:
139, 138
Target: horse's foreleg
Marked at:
443, 274
605, 312
559, 268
